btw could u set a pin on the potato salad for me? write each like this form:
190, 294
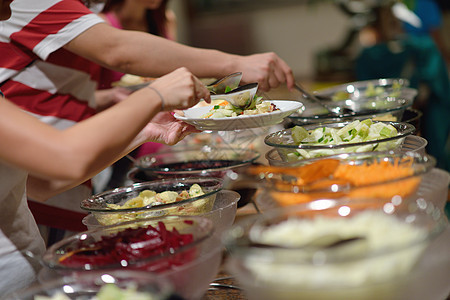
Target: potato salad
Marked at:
152, 199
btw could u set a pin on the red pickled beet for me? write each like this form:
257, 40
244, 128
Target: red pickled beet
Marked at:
143, 248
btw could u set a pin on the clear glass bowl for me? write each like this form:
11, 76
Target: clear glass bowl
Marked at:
412, 116
222, 214
189, 268
97, 204
195, 161
388, 105
330, 249
87, 285
434, 187
398, 175
287, 149
206, 161
412, 143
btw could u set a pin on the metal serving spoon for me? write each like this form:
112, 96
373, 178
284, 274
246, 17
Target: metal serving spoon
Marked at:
241, 97
220, 86
328, 241
336, 111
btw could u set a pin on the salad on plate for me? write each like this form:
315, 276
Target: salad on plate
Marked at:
223, 109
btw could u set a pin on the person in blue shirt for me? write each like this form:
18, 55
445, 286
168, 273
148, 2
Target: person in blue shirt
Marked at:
430, 16
398, 54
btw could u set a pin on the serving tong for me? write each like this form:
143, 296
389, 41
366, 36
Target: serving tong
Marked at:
242, 97
324, 242
321, 100
228, 89
220, 86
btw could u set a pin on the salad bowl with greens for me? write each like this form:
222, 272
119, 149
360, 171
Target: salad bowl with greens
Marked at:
381, 99
318, 140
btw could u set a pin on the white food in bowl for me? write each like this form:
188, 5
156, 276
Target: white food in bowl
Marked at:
366, 261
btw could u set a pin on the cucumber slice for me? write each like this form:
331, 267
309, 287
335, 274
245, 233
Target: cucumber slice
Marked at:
343, 132
363, 131
388, 131
299, 134
367, 122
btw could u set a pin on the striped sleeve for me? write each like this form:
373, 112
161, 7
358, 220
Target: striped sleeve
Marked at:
45, 26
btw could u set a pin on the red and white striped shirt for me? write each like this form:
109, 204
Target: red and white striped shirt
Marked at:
36, 73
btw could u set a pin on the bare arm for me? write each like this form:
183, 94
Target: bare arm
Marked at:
148, 55
59, 160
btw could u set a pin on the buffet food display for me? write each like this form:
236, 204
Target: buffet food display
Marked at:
353, 175
183, 196
195, 160
347, 206
384, 99
223, 109
222, 213
327, 249
319, 140
182, 250
132, 244
100, 285
133, 82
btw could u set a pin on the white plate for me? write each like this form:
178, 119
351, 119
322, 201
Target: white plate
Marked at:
192, 116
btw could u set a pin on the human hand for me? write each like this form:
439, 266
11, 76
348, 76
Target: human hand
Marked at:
268, 69
180, 89
165, 128
108, 97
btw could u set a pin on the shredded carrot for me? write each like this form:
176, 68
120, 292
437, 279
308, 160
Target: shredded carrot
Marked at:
402, 188
372, 173
354, 181
305, 174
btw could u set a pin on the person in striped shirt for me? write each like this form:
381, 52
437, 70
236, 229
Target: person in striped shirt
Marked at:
49, 47
56, 160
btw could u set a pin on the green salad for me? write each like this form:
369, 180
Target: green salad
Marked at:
352, 133
223, 109
372, 91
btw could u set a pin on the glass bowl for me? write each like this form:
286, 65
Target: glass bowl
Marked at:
97, 205
222, 214
87, 285
328, 249
289, 151
413, 116
354, 175
387, 102
412, 143
206, 161
180, 249
246, 193
195, 161
434, 187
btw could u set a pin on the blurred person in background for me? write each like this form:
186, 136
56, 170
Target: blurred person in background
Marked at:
396, 54
430, 15
53, 48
